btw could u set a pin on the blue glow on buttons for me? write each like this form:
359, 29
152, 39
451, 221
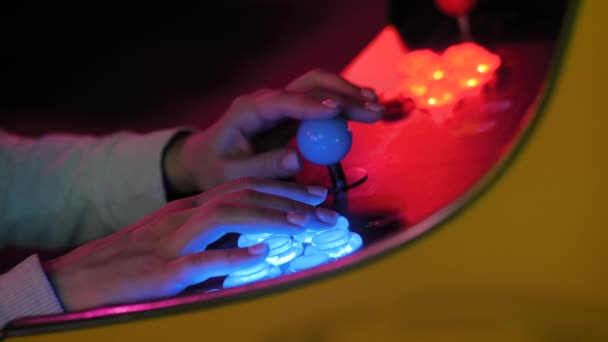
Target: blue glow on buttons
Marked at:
259, 271
282, 249
335, 243
315, 246
331, 239
324, 142
342, 223
248, 240
306, 236
305, 262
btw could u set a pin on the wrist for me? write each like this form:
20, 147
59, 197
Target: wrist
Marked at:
57, 285
177, 180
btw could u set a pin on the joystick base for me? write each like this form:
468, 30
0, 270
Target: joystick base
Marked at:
344, 179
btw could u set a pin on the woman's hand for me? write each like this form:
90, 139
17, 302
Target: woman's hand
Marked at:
165, 252
250, 139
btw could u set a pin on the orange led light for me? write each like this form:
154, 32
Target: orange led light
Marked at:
435, 81
482, 68
418, 89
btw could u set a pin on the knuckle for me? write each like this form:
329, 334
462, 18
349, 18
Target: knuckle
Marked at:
249, 195
272, 96
248, 182
218, 212
233, 257
263, 92
295, 206
242, 101
180, 204
317, 72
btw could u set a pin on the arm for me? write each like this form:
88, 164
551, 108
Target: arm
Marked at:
61, 190
25, 291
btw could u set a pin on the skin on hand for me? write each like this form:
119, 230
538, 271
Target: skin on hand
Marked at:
227, 151
165, 252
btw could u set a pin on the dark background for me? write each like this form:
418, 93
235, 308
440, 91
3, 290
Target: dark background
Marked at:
96, 68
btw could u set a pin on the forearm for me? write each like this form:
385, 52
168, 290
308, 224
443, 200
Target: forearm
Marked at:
26, 291
61, 190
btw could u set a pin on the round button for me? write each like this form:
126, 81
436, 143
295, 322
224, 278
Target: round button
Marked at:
324, 142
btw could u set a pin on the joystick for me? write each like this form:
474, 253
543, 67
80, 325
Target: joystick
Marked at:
326, 142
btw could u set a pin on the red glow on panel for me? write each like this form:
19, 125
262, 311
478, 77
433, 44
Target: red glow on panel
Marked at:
436, 81
421, 161
455, 8
386, 49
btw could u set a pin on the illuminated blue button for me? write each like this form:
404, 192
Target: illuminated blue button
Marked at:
342, 223
248, 240
324, 142
335, 243
305, 262
311, 231
282, 249
306, 236
257, 272
331, 239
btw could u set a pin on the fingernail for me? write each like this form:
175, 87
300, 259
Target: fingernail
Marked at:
257, 250
331, 103
299, 219
374, 107
291, 162
316, 190
327, 216
369, 94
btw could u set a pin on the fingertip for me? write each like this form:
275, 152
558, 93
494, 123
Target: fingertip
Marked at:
374, 107
261, 249
331, 103
298, 218
290, 162
317, 191
369, 94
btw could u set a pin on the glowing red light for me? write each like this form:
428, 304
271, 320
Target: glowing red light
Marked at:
455, 8
482, 68
434, 80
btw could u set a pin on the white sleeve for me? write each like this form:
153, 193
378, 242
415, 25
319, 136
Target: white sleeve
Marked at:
26, 291
59, 191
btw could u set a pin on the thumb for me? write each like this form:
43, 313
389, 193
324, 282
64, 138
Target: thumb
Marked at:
277, 163
198, 267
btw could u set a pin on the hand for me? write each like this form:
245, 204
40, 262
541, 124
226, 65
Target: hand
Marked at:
165, 252
250, 138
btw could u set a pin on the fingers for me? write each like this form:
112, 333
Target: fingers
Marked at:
198, 267
268, 201
367, 112
260, 111
313, 195
359, 104
279, 163
212, 224
323, 80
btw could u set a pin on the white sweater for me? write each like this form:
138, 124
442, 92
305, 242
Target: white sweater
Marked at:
60, 191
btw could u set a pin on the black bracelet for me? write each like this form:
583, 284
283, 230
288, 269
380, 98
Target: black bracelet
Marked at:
170, 193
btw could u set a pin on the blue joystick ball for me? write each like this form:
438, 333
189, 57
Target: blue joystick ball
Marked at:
325, 141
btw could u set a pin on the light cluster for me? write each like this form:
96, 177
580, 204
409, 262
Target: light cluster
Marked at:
290, 254
435, 81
